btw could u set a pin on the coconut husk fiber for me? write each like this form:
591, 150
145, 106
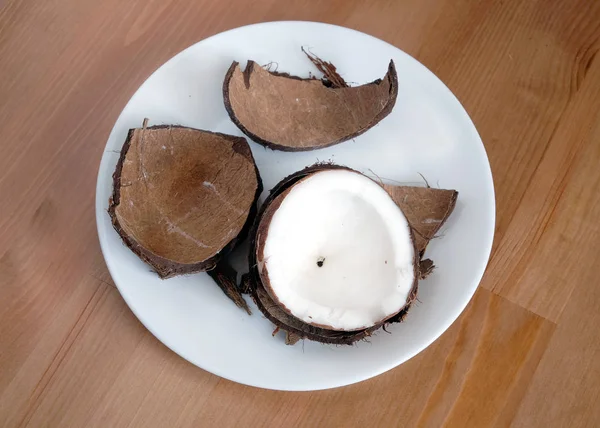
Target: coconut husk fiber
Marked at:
285, 112
296, 329
183, 197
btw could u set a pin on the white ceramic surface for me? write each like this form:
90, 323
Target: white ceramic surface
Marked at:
428, 132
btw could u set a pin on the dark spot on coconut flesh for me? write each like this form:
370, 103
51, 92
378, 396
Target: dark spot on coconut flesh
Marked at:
320, 261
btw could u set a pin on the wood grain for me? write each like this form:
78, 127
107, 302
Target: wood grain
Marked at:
525, 351
116, 374
546, 251
565, 388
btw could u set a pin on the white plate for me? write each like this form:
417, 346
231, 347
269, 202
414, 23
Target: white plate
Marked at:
428, 132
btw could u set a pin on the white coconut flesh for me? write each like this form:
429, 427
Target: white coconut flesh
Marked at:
339, 253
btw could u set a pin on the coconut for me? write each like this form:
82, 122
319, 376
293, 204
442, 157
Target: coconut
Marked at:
336, 252
183, 198
333, 258
290, 113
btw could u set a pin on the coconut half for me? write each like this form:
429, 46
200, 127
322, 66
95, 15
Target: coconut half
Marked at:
335, 251
316, 279
183, 197
289, 113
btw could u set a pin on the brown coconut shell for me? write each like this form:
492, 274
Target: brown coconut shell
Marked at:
183, 198
226, 278
289, 113
426, 266
295, 328
425, 208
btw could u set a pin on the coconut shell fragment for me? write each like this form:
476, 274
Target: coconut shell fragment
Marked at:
285, 112
427, 204
426, 266
183, 197
226, 278
426, 209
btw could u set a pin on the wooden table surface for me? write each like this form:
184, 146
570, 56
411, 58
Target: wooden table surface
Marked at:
525, 353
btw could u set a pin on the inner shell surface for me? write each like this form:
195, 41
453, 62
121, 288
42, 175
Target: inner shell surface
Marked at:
185, 193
